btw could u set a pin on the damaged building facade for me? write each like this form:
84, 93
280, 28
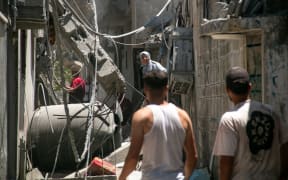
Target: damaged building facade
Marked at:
40, 41
197, 40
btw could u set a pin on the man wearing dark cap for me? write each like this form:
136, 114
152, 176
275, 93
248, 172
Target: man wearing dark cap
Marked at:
250, 136
162, 130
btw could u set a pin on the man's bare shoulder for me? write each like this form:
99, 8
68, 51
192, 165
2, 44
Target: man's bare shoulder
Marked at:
182, 113
142, 114
184, 118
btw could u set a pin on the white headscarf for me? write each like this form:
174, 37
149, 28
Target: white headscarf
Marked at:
152, 65
146, 53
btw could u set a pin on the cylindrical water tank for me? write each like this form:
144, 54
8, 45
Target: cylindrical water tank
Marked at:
46, 127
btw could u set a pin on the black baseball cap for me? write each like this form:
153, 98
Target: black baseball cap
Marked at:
237, 79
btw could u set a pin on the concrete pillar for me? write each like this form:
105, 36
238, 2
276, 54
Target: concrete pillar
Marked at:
3, 100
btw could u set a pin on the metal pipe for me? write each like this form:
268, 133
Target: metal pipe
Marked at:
3, 18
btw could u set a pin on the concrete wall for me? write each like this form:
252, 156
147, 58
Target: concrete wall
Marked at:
144, 11
3, 100
275, 61
111, 13
29, 78
211, 101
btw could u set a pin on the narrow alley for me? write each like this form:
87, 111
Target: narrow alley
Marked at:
73, 75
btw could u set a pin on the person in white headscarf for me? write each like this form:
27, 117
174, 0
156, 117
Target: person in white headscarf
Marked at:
148, 64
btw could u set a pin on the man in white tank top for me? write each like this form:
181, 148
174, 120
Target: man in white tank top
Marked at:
163, 131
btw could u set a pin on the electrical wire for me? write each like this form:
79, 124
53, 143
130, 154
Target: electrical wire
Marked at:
142, 28
91, 29
88, 24
68, 121
107, 36
93, 98
116, 49
82, 14
111, 37
57, 151
96, 33
130, 44
47, 76
139, 92
163, 34
164, 7
122, 98
88, 136
44, 97
138, 30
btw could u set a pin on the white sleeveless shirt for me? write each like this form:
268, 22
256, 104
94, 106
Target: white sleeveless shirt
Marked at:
163, 145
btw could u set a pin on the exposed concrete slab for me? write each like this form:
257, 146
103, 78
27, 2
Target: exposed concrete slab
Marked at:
119, 155
78, 41
34, 174
116, 158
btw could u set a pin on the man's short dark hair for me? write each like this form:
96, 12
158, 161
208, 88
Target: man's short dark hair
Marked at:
237, 80
155, 79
